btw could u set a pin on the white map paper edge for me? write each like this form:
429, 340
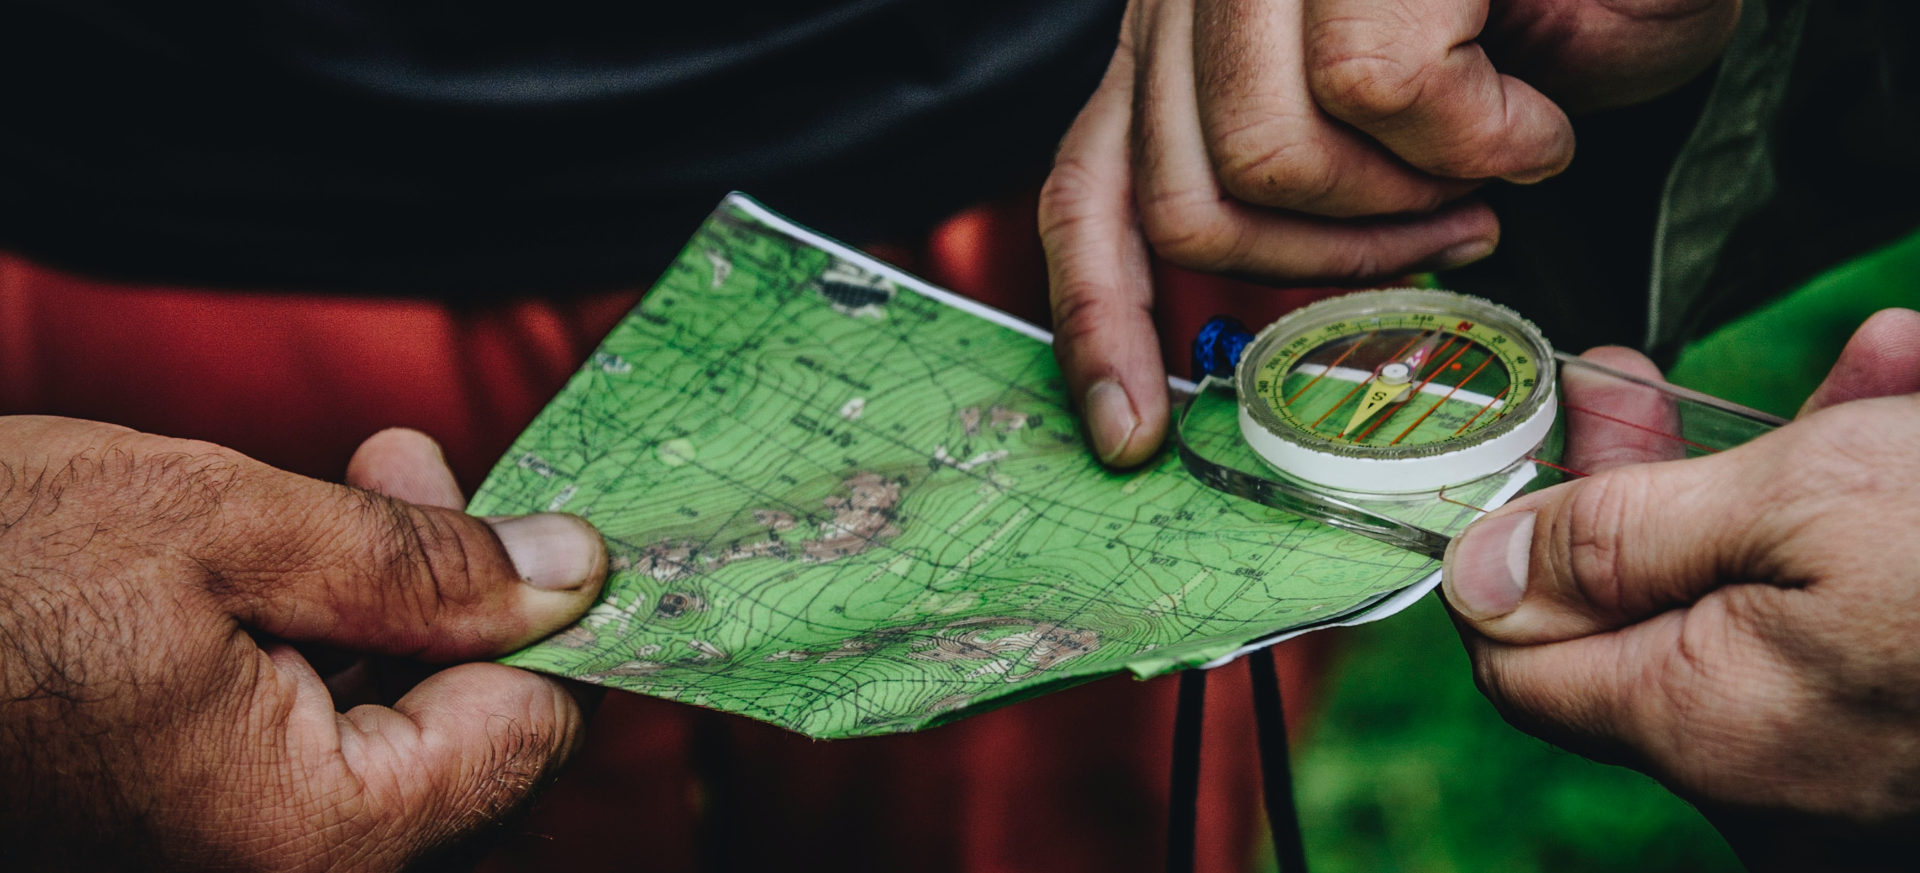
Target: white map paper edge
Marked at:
906, 280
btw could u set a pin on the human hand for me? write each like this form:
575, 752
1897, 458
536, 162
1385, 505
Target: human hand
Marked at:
154, 712
1317, 141
1740, 626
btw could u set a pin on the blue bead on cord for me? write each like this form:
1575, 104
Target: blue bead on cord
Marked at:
1218, 345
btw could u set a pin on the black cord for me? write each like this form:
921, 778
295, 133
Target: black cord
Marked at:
1276, 769
1183, 798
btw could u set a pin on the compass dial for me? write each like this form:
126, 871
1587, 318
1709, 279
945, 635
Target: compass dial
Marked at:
1396, 391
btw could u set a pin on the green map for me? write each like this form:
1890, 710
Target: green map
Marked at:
846, 503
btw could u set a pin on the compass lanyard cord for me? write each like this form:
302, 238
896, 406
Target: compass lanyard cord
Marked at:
1276, 768
1276, 772
1183, 801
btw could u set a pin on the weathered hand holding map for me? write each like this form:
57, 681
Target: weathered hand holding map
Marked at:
844, 502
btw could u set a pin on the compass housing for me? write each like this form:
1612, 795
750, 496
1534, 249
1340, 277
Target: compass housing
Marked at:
1459, 349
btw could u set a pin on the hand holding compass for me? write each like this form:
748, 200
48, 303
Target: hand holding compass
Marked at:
1739, 626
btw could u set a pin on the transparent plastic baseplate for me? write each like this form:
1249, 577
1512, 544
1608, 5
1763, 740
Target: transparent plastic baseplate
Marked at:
1599, 407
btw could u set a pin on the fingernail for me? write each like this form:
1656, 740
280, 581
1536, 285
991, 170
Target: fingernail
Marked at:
1109, 419
1462, 254
1535, 175
551, 552
1486, 571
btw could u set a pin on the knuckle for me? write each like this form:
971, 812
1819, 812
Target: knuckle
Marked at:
155, 482
1696, 661
1541, 705
1402, 88
503, 777
1595, 527
1721, 689
1075, 309
1192, 230
1492, 682
188, 486
1083, 311
1847, 452
1357, 80
133, 494
1823, 471
427, 558
520, 760
1284, 171
1508, 694
408, 565
520, 753
1065, 195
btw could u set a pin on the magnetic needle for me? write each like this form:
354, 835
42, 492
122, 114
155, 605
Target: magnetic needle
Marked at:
1396, 391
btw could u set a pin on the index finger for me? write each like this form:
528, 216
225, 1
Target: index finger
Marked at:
1410, 75
1612, 422
1099, 277
457, 753
1881, 360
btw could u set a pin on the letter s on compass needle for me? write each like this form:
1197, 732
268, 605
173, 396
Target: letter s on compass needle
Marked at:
1390, 384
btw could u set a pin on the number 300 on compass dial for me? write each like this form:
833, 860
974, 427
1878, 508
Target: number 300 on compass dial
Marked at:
1404, 390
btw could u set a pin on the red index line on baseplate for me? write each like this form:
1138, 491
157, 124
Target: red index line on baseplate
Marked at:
1445, 499
1483, 409
1438, 403
1567, 470
1483, 510
1641, 427
1336, 362
1417, 388
1358, 385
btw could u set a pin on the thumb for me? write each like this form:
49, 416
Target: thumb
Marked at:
311, 562
1598, 553
1615, 548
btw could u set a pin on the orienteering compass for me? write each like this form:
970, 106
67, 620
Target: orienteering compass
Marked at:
1403, 415
1396, 391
